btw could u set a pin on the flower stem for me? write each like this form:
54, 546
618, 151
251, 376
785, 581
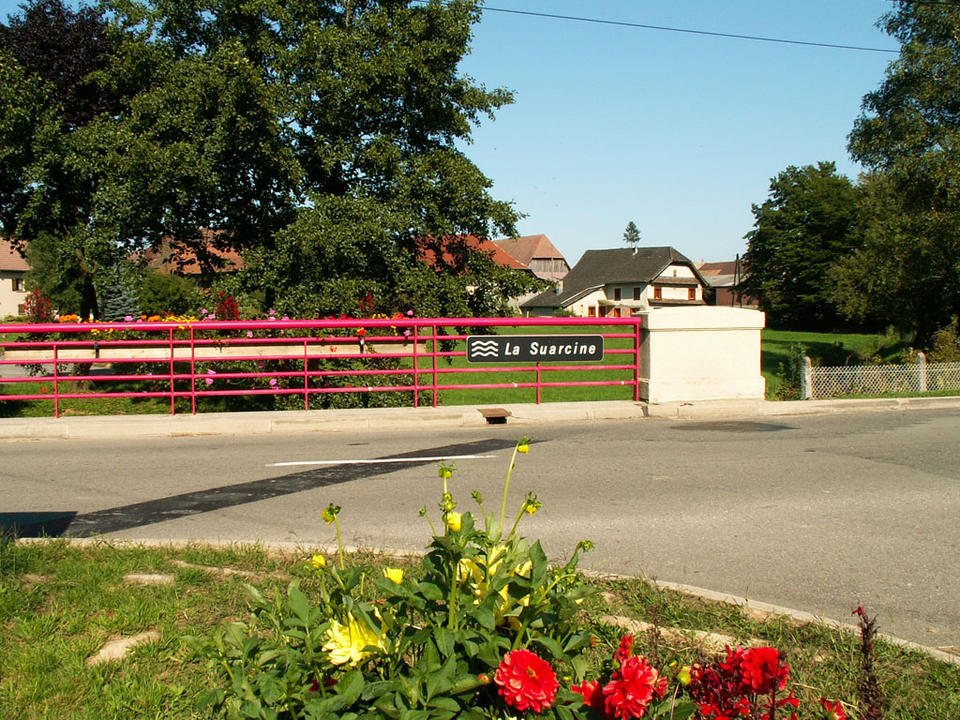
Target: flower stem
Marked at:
336, 521
506, 485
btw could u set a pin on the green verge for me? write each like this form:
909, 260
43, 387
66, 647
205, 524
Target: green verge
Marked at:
60, 602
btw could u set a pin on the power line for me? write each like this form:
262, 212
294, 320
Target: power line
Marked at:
687, 31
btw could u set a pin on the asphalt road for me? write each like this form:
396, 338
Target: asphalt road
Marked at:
817, 513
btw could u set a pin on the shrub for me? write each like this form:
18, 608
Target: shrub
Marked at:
161, 294
38, 308
946, 343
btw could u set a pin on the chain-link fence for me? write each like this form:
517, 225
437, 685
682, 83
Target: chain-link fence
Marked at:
918, 377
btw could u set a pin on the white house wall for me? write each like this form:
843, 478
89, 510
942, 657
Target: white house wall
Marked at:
10, 299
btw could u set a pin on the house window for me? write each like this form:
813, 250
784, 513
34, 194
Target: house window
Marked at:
636, 293
691, 293
17, 284
22, 309
658, 293
616, 293
592, 311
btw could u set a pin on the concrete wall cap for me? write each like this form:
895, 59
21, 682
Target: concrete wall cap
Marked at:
703, 317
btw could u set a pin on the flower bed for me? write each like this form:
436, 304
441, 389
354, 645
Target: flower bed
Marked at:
484, 629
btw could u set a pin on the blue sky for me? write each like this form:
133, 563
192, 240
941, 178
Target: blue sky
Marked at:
677, 132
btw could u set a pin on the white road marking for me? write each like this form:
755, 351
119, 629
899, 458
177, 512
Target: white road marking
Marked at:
438, 458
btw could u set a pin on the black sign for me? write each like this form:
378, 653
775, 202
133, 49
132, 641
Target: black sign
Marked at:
533, 348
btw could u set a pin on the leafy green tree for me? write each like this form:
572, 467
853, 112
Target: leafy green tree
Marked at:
280, 112
240, 125
909, 268
48, 58
631, 236
799, 232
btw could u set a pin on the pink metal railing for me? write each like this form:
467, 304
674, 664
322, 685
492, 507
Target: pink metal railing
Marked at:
177, 360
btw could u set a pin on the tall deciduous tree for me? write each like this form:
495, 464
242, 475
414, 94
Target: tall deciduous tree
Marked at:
49, 56
910, 131
243, 124
800, 231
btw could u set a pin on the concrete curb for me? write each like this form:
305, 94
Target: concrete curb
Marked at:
756, 608
293, 421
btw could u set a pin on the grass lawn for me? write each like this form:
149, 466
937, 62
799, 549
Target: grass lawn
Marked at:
831, 349
59, 603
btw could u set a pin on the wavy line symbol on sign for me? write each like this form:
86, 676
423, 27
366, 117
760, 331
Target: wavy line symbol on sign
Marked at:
485, 348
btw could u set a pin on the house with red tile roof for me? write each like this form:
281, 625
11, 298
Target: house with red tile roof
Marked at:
538, 254
13, 270
175, 259
430, 247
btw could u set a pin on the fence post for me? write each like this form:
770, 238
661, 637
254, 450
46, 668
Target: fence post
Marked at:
434, 365
173, 388
636, 360
56, 383
306, 377
921, 361
416, 368
806, 379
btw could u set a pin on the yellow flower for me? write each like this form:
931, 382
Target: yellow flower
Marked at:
394, 575
524, 446
469, 571
445, 472
454, 520
329, 513
318, 561
683, 677
348, 643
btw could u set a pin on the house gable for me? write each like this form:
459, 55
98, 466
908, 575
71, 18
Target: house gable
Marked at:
537, 253
630, 279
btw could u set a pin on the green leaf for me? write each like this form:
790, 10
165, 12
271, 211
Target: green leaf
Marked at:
484, 617
580, 666
441, 680
539, 560
299, 604
350, 686
444, 640
552, 646
430, 591
444, 703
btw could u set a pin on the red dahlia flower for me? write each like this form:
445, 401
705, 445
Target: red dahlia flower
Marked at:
625, 649
631, 688
526, 682
592, 694
762, 670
